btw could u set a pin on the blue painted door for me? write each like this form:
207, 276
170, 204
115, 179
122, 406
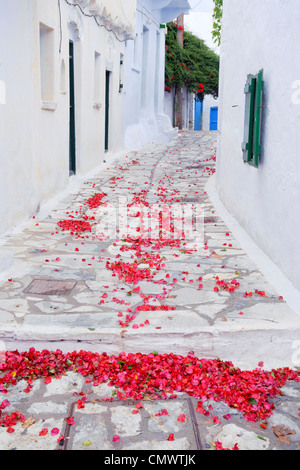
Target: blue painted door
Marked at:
198, 115
214, 118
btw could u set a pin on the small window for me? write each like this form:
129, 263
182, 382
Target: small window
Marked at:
252, 124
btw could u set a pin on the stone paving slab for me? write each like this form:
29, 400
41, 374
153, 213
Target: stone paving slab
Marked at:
140, 425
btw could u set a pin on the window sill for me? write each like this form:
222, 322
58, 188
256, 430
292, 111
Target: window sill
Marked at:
49, 105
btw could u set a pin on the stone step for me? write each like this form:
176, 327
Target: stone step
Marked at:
244, 342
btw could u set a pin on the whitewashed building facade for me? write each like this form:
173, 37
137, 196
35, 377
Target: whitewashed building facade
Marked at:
145, 116
80, 81
258, 162
61, 96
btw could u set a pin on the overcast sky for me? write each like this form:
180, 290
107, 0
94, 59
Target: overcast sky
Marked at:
201, 5
200, 21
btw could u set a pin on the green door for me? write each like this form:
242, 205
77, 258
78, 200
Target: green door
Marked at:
72, 139
107, 93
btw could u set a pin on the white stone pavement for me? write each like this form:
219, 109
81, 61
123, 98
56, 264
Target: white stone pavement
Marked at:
242, 329
248, 325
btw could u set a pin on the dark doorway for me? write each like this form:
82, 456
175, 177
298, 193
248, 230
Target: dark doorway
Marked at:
72, 144
107, 96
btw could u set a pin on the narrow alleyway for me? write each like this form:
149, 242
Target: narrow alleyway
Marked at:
80, 283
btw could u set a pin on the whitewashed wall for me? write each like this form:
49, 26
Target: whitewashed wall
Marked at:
19, 161
266, 201
145, 118
34, 136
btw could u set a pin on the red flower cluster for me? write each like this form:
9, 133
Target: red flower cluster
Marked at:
230, 286
129, 272
183, 65
11, 420
75, 226
155, 375
139, 198
219, 446
96, 200
129, 318
180, 28
260, 292
79, 226
148, 307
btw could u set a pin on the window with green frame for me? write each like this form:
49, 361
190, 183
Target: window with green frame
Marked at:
253, 112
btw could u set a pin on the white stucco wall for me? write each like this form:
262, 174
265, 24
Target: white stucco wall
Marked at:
145, 119
266, 201
144, 78
34, 136
19, 162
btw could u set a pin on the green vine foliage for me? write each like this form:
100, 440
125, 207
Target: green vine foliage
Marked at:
217, 23
195, 65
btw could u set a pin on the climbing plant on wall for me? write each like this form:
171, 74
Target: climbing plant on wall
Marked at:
217, 21
194, 66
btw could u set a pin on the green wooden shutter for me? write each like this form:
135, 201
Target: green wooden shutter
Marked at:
257, 118
249, 115
252, 124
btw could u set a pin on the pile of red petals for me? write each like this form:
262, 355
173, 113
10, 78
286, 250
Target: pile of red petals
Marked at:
11, 420
153, 307
129, 272
219, 446
139, 199
75, 226
96, 200
229, 286
159, 376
